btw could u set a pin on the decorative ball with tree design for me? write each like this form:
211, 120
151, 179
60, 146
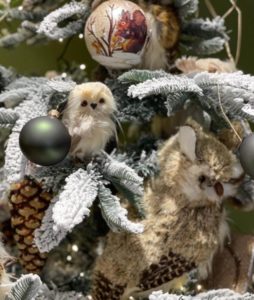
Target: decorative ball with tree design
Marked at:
116, 34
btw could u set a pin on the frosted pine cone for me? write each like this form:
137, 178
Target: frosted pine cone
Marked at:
28, 202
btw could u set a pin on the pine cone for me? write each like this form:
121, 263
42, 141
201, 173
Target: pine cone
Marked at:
28, 202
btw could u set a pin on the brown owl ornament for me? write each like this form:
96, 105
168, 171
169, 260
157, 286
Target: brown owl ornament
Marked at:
185, 224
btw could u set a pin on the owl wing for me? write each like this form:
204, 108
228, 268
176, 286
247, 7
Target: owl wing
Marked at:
104, 289
75, 139
169, 267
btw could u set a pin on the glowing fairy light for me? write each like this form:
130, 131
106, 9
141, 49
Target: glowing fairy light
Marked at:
82, 67
74, 248
69, 258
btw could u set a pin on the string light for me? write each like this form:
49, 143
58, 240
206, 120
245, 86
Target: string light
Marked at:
81, 35
69, 258
60, 40
20, 8
82, 274
82, 67
199, 287
74, 248
64, 75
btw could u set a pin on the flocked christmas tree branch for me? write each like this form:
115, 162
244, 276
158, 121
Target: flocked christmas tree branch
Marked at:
223, 294
50, 27
236, 92
198, 35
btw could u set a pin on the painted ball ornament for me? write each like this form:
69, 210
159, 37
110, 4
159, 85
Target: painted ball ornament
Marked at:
116, 34
246, 155
45, 141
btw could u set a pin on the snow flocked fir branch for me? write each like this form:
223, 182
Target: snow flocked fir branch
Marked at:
153, 88
222, 294
27, 94
140, 96
202, 36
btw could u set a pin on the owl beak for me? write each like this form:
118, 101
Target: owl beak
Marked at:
93, 105
218, 187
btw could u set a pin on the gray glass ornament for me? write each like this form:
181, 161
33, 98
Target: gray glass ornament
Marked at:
246, 155
45, 141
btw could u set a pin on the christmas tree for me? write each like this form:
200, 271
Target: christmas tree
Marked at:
64, 191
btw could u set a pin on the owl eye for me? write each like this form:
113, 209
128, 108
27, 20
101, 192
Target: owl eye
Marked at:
201, 178
84, 103
102, 101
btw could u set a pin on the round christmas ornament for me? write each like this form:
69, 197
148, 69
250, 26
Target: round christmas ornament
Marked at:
45, 141
116, 34
246, 154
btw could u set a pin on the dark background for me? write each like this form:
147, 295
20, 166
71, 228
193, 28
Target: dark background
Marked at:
38, 59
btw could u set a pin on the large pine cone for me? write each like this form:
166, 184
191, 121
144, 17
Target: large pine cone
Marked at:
28, 202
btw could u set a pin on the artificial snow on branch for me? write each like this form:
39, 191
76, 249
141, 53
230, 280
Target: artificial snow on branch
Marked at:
164, 85
50, 25
61, 86
75, 200
204, 47
6, 76
186, 7
8, 117
25, 288
137, 76
222, 294
53, 177
29, 98
22, 14
14, 160
53, 294
16, 38
114, 214
119, 172
78, 193
48, 235
126, 180
206, 29
236, 91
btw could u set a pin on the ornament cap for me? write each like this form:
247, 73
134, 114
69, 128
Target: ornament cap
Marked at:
54, 113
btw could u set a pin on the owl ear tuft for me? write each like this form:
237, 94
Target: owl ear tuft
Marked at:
187, 140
